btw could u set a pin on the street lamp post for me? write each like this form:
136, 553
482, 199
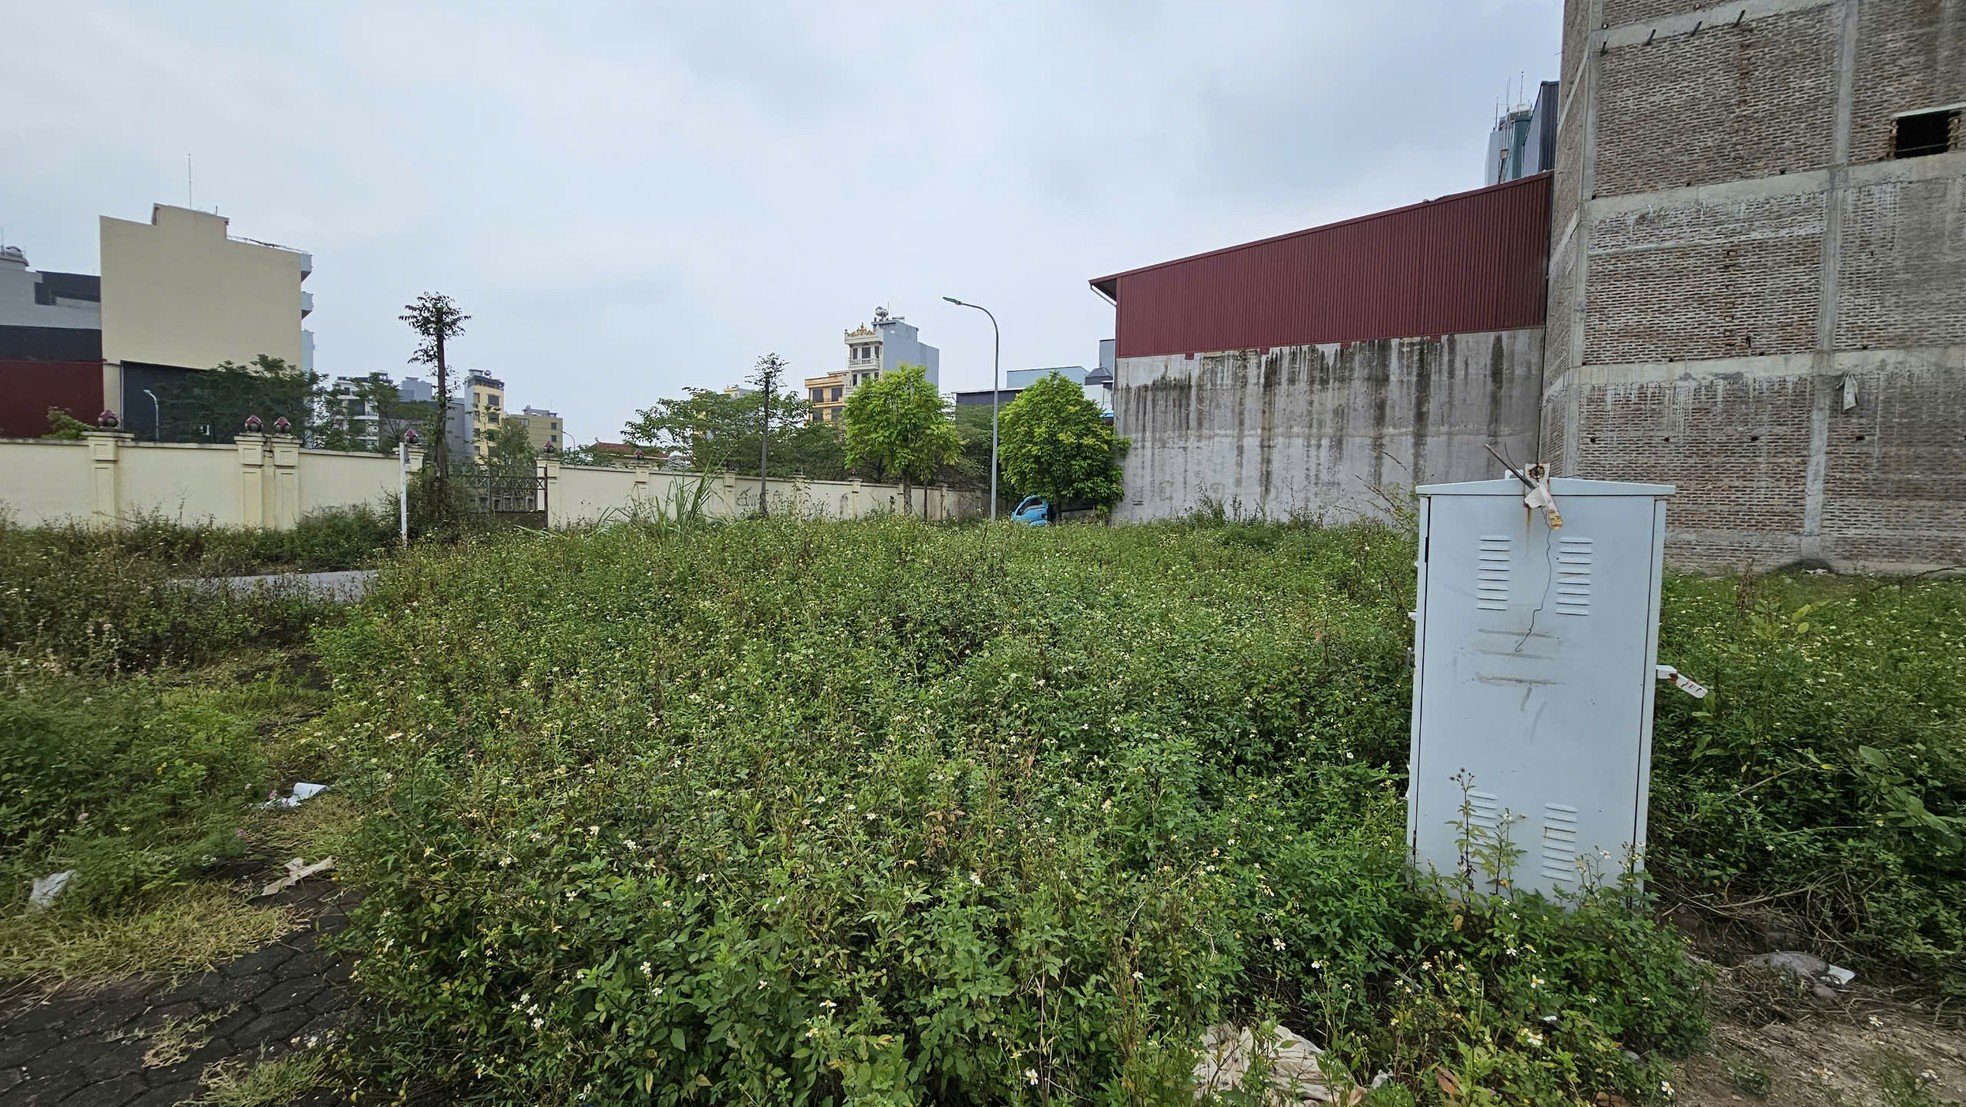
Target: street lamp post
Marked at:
156, 417
996, 394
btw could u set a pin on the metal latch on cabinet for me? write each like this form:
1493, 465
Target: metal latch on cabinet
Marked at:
1685, 683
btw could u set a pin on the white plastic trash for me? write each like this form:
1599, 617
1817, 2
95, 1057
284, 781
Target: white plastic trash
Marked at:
47, 888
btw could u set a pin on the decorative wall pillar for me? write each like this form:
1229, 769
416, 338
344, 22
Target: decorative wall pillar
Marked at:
858, 510
285, 508
105, 491
548, 467
253, 491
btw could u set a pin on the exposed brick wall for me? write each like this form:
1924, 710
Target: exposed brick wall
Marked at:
1904, 64
1708, 305
1702, 280
1893, 492
1737, 450
1902, 276
1620, 12
1731, 102
1561, 320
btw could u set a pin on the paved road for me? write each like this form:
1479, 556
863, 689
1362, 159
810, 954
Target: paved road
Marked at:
342, 587
102, 1048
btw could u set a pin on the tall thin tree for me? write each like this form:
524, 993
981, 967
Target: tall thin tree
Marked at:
770, 368
436, 319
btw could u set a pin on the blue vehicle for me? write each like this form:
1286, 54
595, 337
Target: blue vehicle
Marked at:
1032, 511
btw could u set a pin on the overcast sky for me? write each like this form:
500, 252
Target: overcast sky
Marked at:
635, 199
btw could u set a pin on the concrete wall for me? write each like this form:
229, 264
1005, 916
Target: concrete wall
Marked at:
1748, 298
271, 481
177, 291
1322, 431
581, 494
259, 481
44, 481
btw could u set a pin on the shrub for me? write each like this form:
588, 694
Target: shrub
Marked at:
82, 599
877, 812
1824, 782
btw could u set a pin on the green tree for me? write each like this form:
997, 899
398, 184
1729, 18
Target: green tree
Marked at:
718, 431
1055, 444
212, 405
436, 319
338, 415
897, 426
510, 452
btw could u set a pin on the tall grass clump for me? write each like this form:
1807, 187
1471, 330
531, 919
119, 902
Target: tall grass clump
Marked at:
91, 600
1817, 799
884, 813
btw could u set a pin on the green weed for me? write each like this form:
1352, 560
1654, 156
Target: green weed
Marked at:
888, 813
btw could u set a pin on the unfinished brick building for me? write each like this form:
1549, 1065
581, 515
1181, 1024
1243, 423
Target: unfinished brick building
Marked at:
1757, 284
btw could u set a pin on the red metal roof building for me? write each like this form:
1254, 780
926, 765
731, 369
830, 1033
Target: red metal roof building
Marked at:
1471, 262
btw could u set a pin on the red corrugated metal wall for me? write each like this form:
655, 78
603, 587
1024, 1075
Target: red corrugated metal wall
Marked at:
1474, 261
29, 388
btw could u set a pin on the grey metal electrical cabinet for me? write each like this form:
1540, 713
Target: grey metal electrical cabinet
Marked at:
1534, 667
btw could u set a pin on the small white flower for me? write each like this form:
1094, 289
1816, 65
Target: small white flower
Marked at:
1277, 944
1031, 1077
648, 969
828, 1004
701, 877
976, 879
1137, 976
537, 1023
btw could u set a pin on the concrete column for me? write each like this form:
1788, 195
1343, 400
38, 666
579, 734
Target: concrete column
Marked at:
855, 513
105, 491
730, 495
549, 472
641, 490
253, 492
285, 507
112, 385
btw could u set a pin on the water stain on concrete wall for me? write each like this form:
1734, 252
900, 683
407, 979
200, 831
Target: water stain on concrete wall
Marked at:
1328, 431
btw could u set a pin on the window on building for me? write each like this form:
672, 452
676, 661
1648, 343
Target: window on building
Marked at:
837, 389
1922, 133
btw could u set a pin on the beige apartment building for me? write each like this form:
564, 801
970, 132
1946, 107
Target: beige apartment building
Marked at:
180, 293
543, 428
483, 401
827, 395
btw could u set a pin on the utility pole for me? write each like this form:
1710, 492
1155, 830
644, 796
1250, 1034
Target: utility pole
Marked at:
770, 367
996, 392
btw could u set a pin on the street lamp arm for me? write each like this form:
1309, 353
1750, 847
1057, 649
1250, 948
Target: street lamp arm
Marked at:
996, 392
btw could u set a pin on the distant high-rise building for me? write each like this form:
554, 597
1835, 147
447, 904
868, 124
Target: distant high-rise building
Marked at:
1524, 139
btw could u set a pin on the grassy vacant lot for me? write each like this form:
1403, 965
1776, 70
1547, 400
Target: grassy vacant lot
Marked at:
894, 814
886, 813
